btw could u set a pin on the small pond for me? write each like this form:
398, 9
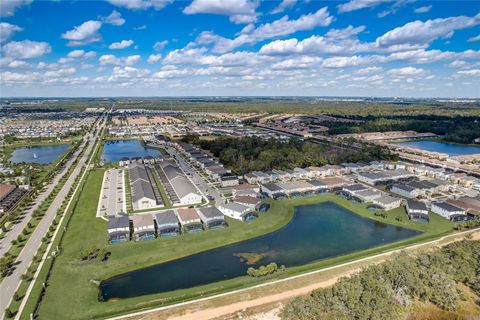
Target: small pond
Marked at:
451, 149
38, 154
115, 150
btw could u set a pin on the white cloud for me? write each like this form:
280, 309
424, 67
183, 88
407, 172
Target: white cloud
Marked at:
9, 6
26, 49
239, 11
110, 59
83, 34
75, 54
11, 63
281, 27
120, 45
7, 30
354, 5
423, 9
285, 4
473, 72
153, 58
423, 33
368, 70
141, 4
160, 45
352, 61
336, 41
474, 39
114, 18
406, 71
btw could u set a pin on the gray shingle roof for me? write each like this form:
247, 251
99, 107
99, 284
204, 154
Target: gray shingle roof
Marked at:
210, 213
142, 189
116, 222
166, 218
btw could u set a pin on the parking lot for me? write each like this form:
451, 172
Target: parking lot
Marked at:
112, 198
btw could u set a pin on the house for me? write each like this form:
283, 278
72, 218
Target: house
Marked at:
416, 210
237, 211
272, 190
282, 175
143, 195
405, 190
471, 205
211, 217
167, 223
185, 192
148, 160
334, 183
252, 202
368, 195
352, 189
229, 180
143, 227
124, 162
189, 220
118, 229
387, 202
449, 211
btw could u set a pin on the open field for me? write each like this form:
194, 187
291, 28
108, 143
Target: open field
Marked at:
79, 298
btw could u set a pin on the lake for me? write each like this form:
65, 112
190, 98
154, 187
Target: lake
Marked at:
451, 149
38, 154
115, 150
315, 232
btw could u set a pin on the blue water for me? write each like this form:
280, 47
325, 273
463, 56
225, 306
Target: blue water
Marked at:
113, 151
451, 149
315, 232
38, 154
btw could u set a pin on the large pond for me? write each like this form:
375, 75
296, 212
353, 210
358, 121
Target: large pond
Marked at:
38, 154
114, 151
451, 149
315, 232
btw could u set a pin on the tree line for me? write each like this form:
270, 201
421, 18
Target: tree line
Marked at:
248, 154
387, 290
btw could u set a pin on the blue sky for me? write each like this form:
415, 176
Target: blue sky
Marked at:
402, 48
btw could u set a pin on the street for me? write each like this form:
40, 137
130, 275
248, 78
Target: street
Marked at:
10, 283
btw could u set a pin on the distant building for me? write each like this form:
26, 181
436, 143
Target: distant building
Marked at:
212, 217
189, 220
417, 210
167, 223
143, 227
449, 211
118, 229
229, 180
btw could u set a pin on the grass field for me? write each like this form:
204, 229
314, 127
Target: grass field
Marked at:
72, 287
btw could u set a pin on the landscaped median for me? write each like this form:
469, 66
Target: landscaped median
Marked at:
73, 283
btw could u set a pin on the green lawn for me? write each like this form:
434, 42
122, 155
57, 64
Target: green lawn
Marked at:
72, 289
160, 187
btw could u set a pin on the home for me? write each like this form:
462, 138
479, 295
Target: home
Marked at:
449, 211
237, 211
211, 217
189, 220
405, 190
252, 202
387, 202
118, 229
143, 227
272, 190
368, 195
416, 210
229, 180
167, 223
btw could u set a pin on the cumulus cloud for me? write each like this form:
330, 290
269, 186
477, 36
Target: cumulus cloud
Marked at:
141, 4
76, 54
406, 71
423, 33
110, 59
336, 41
26, 49
285, 4
7, 30
354, 5
120, 45
474, 39
239, 11
114, 18
153, 58
473, 72
423, 9
160, 45
281, 27
9, 6
83, 34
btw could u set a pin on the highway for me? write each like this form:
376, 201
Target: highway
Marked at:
10, 283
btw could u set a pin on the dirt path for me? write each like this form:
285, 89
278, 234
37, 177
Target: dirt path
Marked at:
229, 309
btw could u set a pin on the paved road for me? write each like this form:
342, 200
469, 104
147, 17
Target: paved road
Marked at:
199, 181
10, 284
6, 242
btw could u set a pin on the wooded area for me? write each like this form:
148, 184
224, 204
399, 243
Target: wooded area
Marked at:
247, 154
385, 291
